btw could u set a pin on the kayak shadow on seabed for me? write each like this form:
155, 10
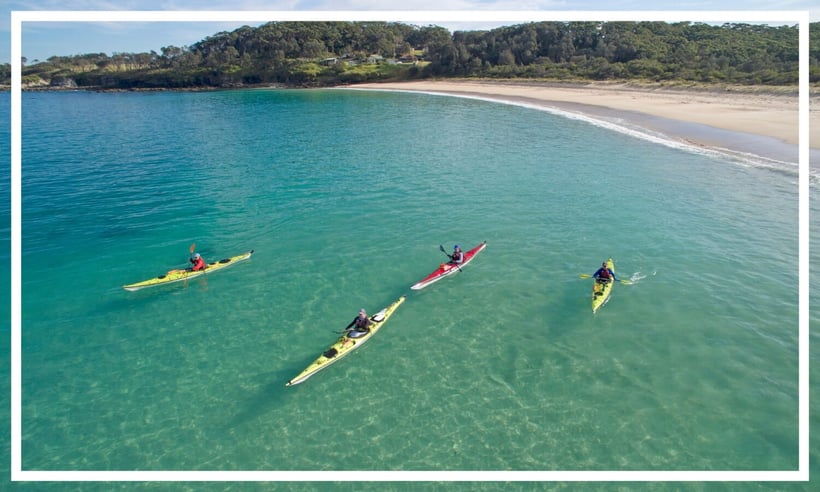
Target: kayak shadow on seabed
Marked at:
267, 399
568, 321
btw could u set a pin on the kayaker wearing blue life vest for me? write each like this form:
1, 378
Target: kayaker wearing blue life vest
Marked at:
604, 274
457, 257
198, 262
359, 326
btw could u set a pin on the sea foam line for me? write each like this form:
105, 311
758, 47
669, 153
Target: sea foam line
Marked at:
745, 159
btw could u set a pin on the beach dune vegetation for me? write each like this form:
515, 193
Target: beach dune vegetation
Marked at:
314, 54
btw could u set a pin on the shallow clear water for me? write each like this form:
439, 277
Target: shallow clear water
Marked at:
346, 196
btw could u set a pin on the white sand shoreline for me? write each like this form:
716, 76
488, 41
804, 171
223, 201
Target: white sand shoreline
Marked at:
759, 123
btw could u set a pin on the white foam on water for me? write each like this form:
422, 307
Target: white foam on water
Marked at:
745, 159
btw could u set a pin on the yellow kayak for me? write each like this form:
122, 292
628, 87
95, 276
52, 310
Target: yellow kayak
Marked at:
601, 291
184, 274
344, 345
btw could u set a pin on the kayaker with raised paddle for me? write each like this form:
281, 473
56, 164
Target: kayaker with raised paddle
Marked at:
457, 257
198, 262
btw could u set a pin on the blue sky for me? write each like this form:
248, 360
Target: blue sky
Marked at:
42, 40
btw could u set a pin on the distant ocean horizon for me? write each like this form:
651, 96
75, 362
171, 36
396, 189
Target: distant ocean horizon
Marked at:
346, 198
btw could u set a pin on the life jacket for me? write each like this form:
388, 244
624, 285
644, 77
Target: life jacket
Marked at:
361, 323
603, 273
199, 264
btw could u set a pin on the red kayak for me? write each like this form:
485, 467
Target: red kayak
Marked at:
446, 269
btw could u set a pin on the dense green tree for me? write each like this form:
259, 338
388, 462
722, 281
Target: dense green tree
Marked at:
326, 53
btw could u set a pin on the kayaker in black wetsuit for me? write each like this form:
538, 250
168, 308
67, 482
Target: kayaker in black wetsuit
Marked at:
457, 257
359, 326
604, 274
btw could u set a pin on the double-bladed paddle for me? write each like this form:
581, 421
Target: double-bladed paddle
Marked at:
625, 282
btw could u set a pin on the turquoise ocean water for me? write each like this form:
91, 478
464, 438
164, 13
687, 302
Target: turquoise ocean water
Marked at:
345, 196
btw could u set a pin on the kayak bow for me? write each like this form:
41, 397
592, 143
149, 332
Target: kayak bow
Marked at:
446, 269
183, 274
344, 345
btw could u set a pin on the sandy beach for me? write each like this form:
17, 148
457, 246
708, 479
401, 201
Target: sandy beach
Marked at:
752, 121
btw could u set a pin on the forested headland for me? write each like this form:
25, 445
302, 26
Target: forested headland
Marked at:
316, 54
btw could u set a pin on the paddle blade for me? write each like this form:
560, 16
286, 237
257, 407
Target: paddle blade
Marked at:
585, 275
441, 247
192, 248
